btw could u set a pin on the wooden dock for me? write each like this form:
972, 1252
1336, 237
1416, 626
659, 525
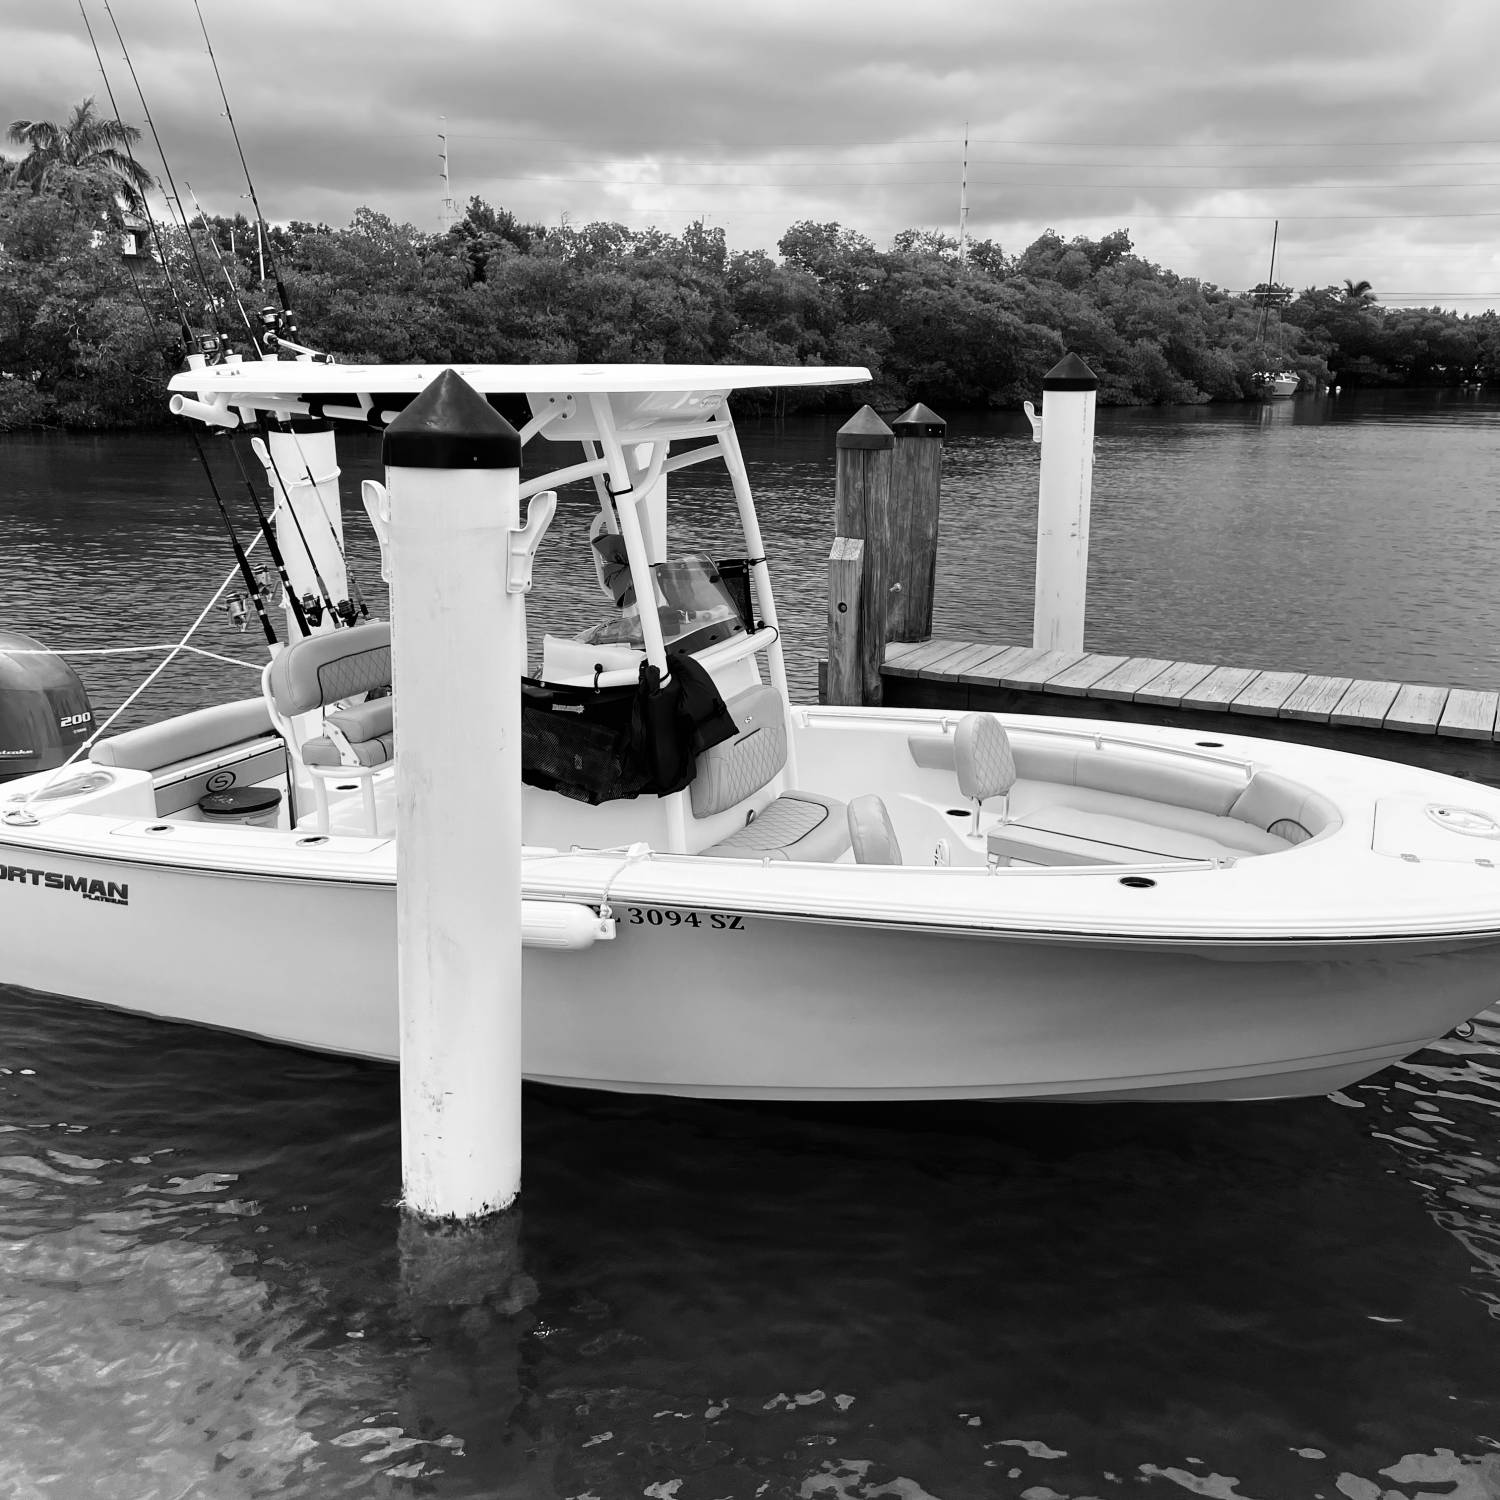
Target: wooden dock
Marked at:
1448, 728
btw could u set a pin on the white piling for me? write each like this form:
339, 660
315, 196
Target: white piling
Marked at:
1070, 391
453, 472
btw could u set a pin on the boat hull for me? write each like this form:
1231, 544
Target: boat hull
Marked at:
726, 1001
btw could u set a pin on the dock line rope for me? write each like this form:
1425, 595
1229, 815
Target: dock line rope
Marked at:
172, 652
232, 661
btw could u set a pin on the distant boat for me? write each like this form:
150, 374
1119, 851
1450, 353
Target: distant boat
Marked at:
1268, 384
1276, 385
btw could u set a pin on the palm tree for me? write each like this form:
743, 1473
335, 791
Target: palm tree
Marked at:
85, 153
1358, 291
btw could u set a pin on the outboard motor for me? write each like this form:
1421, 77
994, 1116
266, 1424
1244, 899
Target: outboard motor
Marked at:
44, 709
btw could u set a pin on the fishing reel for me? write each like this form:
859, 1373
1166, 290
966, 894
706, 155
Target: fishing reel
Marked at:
237, 607
276, 324
312, 608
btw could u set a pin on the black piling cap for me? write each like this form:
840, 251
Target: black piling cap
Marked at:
1070, 374
919, 421
865, 430
451, 426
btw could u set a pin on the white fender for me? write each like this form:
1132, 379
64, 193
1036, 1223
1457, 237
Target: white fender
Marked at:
563, 925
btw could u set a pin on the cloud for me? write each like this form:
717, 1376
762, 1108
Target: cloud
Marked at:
1368, 127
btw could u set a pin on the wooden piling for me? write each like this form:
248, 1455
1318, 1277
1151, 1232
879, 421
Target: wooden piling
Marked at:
866, 450
845, 680
916, 479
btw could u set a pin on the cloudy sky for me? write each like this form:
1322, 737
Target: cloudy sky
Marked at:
1369, 128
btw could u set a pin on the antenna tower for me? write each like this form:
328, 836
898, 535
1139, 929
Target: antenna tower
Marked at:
449, 214
963, 203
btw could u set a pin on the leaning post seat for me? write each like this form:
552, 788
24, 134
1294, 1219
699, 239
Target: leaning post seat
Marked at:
796, 825
358, 739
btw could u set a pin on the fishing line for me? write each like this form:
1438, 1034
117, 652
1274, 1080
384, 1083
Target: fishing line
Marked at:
260, 218
253, 585
187, 327
213, 245
208, 299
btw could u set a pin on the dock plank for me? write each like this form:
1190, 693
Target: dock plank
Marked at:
1034, 668
955, 662
1128, 678
1315, 699
1168, 687
1220, 688
986, 672
1266, 692
912, 662
1417, 709
896, 654
1365, 703
1079, 679
1469, 714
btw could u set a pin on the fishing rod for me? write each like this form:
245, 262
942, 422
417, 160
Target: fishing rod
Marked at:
253, 582
166, 167
253, 585
288, 325
346, 608
278, 331
188, 338
263, 451
273, 547
254, 588
213, 244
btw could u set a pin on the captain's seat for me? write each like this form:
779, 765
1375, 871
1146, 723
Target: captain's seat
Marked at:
358, 739
795, 825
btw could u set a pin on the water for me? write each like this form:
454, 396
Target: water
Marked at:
207, 1291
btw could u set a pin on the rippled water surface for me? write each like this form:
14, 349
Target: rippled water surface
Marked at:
205, 1288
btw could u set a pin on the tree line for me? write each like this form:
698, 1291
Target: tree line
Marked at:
88, 334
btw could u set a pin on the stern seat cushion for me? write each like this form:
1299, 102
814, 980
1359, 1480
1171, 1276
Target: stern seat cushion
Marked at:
370, 729
187, 737
797, 825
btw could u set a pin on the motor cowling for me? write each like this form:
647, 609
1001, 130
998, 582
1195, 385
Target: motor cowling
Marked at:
44, 708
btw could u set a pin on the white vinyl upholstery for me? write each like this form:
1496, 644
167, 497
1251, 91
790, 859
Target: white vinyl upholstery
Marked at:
330, 667
871, 835
1285, 809
188, 736
797, 825
358, 739
982, 757
729, 772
